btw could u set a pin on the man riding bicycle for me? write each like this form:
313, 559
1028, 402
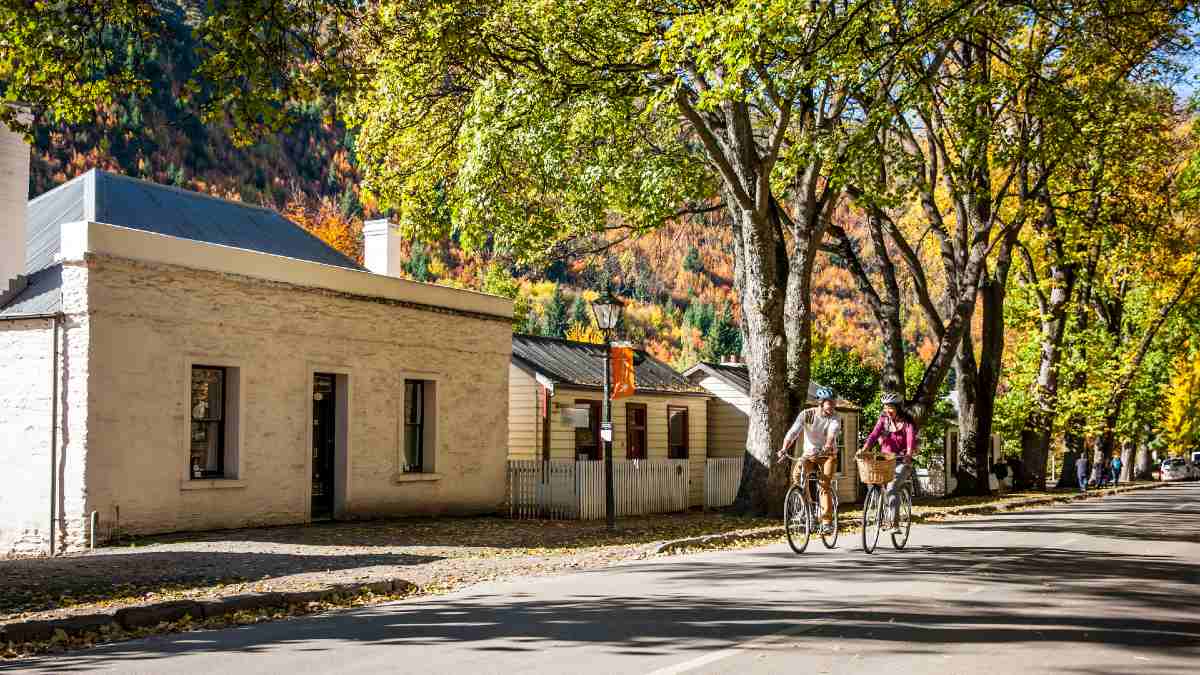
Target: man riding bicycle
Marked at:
820, 427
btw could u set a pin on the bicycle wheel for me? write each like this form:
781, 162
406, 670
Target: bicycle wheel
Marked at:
830, 539
796, 519
903, 520
872, 512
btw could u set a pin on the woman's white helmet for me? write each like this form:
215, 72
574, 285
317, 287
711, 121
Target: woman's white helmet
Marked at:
891, 398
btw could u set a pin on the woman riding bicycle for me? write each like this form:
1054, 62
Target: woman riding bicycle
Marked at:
896, 434
820, 427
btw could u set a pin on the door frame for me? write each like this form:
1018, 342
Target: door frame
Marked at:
343, 388
629, 408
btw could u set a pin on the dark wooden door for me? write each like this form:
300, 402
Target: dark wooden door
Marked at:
324, 440
635, 431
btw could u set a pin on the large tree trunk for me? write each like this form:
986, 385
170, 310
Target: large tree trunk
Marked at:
759, 277
972, 465
1142, 469
1127, 450
1035, 435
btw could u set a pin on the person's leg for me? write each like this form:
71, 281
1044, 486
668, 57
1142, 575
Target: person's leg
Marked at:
823, 478
891, 497
903, 473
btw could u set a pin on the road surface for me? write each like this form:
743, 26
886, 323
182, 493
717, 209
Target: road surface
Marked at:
1103, 586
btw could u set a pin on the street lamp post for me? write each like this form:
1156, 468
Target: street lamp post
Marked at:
607, 310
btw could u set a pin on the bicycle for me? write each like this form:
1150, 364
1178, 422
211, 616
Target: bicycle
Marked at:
877, 473
802, 514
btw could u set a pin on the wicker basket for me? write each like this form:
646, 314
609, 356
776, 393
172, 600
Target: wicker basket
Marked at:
876, 469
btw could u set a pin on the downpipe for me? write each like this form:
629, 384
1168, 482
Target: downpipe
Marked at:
54, 320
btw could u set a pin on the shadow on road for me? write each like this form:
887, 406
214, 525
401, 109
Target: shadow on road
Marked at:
915, 601
679, 623
42, 583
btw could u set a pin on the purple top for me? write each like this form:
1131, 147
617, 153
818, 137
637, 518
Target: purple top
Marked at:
899, 438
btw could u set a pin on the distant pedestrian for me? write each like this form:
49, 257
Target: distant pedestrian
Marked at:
1098, 473
1081, 471
1116, 470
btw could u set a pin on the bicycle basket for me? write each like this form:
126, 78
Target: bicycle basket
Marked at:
876, 469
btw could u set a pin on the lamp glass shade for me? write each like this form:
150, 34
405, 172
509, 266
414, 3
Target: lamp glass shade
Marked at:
607, 309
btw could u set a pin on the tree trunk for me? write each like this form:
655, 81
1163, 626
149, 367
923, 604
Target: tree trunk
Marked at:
1127, 449
972, 464
1035, 435
761, 287
1142, 469
1067, 476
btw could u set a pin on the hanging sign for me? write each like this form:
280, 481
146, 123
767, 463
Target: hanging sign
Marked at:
624, 383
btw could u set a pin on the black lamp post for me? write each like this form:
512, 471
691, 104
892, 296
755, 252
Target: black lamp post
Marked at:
607, 310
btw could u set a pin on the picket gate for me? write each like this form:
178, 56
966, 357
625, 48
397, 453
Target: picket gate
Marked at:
564, 489
722, 476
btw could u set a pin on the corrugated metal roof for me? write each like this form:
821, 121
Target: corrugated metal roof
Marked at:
42, 295
103, 197
582, 364
737, 375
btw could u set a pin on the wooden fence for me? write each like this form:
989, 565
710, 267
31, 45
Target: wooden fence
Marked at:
721, 479
565, 489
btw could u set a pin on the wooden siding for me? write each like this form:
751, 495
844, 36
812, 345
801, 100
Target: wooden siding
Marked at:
562, 435
728, 424
523, 429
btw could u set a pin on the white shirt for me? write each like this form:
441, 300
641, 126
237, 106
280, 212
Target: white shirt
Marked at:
818, 430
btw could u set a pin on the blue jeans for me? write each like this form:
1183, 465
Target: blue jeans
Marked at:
1083, 481
891, 493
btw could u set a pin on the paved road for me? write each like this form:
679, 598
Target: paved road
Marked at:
1105, 586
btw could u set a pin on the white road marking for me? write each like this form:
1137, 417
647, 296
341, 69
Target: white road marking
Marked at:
722, 654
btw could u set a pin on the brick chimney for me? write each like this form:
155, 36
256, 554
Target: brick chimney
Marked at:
381, 247
14, 196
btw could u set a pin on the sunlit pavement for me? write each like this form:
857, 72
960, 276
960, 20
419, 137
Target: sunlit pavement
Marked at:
1103, 586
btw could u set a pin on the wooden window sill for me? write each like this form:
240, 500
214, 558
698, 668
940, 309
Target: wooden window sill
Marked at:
211, 483
416, 477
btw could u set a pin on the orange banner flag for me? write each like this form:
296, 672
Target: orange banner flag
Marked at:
623, 380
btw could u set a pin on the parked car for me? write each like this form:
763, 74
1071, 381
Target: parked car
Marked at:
1178, 468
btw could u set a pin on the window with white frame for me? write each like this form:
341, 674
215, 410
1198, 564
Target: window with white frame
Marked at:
212, 440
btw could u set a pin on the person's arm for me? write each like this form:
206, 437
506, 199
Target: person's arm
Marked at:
792, 434
874, 437
910, 440
835, 428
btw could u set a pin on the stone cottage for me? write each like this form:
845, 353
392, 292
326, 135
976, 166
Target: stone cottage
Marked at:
171, 361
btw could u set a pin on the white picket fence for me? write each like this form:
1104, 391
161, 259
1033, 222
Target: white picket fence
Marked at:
721, 479
565, 489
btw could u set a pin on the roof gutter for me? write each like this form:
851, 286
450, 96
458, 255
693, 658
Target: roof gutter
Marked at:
31, 317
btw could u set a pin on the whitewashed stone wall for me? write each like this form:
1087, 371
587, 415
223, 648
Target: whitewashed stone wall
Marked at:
149, 321
25, 386
25, 413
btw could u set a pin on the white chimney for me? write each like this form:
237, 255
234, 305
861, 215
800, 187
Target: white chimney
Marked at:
14, 197
381, 247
